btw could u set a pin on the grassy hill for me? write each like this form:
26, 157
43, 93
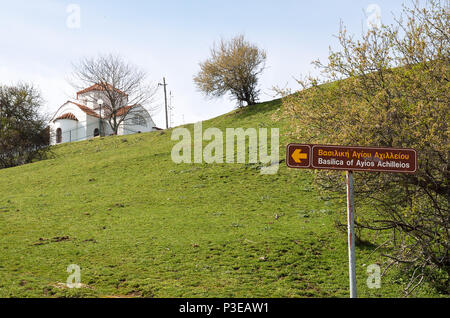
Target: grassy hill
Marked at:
140, 225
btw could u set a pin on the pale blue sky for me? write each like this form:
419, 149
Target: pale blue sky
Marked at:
169, 38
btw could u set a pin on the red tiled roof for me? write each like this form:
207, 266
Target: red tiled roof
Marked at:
69, 116
124, 110
98, 87
87, 110
120, 112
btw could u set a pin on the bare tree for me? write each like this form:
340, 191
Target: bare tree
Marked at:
233, 68
123, 86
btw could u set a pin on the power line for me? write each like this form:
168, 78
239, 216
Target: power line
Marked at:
171, 109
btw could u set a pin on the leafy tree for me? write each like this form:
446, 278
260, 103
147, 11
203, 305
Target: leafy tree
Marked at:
234, 67
24, 136
391, 88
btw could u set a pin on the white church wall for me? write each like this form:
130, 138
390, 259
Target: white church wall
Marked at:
131, 126
92, 124
107, 130
71, 130
128, 129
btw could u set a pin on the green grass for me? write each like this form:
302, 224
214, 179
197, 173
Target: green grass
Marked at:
139, 225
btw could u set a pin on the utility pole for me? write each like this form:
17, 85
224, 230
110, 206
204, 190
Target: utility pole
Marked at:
351, 234
165, 100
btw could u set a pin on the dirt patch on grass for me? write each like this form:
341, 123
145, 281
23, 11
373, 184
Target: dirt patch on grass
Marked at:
56, 239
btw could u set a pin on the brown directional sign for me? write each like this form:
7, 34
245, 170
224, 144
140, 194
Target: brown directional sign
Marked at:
351, 158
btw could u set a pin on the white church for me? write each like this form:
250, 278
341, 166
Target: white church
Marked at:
83, 118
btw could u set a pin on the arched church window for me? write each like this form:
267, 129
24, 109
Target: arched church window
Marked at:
58, 135
139, 120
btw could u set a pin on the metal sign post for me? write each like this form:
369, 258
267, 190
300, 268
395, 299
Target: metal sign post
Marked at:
351, 235
349, 159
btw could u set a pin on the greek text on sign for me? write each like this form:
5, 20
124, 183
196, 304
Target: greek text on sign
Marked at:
352, 158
